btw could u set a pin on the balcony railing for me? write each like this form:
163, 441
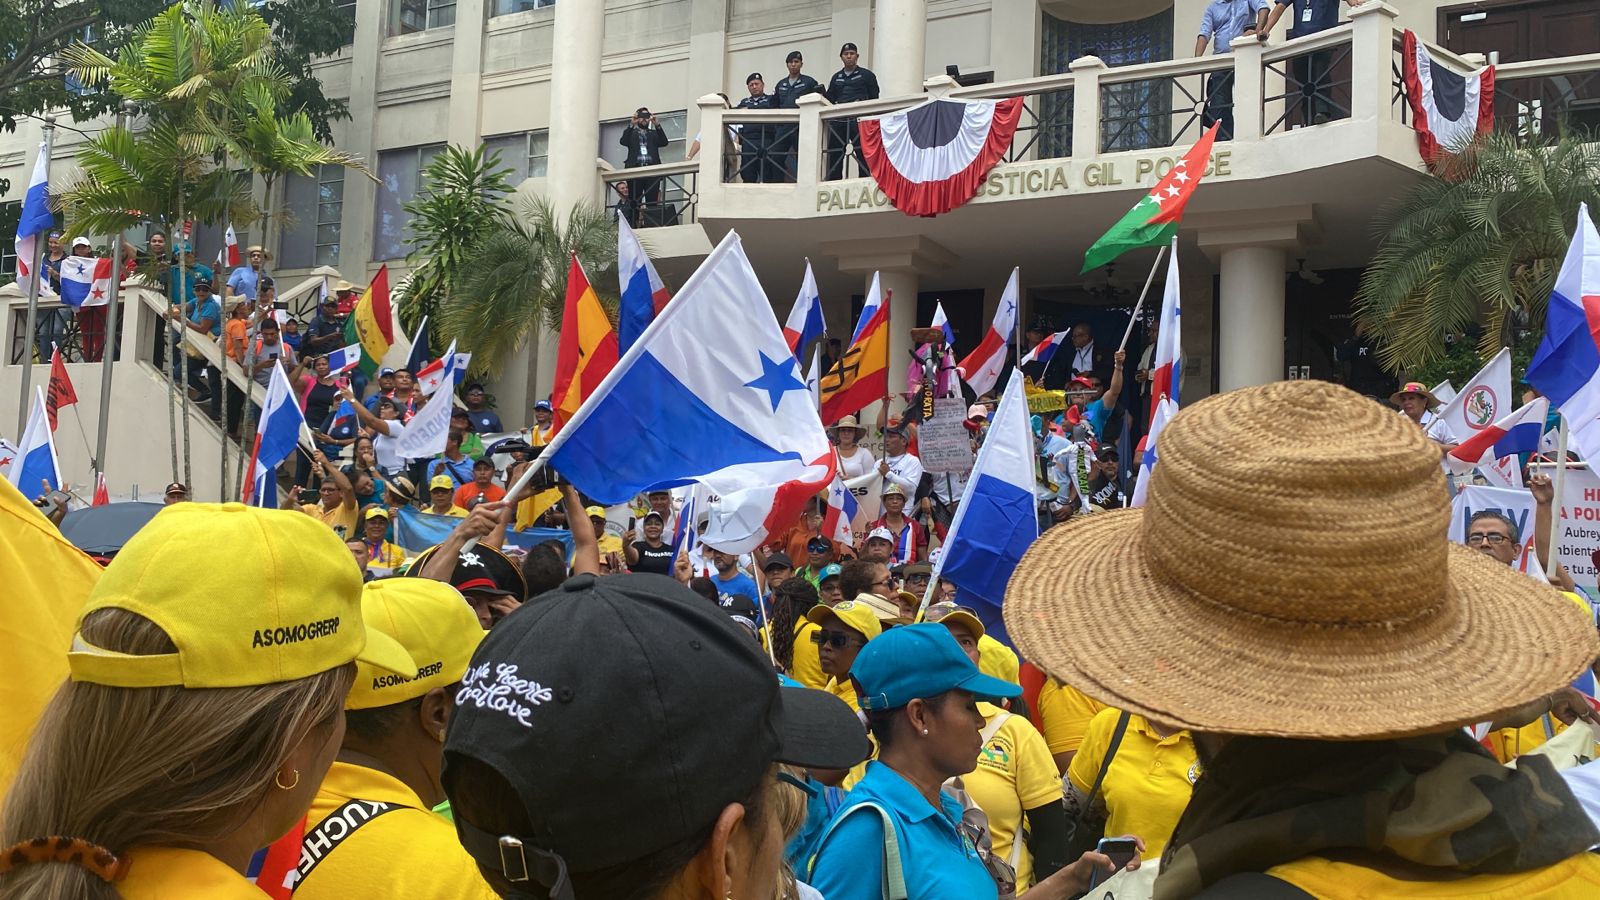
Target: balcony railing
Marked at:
80, 337
1275, 100
654, 196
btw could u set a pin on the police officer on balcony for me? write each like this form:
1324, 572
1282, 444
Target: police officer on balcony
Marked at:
850, 84
757, 165
644, 139
787, 93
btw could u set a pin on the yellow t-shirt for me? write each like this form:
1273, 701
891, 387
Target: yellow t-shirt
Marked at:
342, 519
454, 511
610, 543
997, 660
1015, 773
807, 663
1576, 877
1509, 743
1065, 712
164, 873
1149, 782
410, 852
845, 690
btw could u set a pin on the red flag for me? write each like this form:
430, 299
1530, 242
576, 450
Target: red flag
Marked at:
60, 392
588, 348
276, 876
101, 495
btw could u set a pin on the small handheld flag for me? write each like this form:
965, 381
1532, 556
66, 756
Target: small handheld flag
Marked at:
36, 465
344, 359
1045, 350
35, 219
805, 322
983, 365
60, 392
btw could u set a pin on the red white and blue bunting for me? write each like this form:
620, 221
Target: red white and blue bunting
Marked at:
1448, 109
933, 157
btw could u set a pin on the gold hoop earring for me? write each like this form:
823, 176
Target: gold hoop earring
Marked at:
277, 779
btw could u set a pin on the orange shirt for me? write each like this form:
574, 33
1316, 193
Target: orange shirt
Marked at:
234, 329
469, 492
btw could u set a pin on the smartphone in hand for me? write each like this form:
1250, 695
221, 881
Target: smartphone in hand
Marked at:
1121, 850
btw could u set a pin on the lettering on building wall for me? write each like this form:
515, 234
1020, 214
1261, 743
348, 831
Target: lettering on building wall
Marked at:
1043, 178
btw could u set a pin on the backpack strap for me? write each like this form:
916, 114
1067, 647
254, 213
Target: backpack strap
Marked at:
1014, 858
1111, 753
894, 881
334, 830
993, 728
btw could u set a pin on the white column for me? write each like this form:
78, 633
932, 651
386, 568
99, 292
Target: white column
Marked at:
466, 74
575, 103
903, 284
899, 34
357, 138
572, 178
1251, 347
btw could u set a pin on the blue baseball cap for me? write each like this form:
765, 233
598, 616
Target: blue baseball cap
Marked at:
831, 570
544, 405
923, 661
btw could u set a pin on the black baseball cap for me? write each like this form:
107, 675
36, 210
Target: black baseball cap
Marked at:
848, 45
482, 569
777, 559
704, 713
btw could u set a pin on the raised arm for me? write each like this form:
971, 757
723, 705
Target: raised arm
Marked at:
585, 546
329, 470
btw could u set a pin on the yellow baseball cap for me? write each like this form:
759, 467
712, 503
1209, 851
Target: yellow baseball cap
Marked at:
432, 621
595, 512
287, 606
441, 481
854, 615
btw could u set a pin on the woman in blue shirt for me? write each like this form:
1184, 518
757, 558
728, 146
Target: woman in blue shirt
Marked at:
920, 694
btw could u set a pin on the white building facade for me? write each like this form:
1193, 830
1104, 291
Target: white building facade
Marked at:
1270, 249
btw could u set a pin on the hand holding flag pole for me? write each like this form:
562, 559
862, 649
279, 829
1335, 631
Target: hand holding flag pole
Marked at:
1149, 279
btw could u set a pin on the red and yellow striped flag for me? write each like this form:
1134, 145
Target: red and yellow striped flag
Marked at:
588, 346
371, 323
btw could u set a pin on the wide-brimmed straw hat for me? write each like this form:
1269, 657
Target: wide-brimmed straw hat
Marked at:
1290, 576
1412, 387
850, 422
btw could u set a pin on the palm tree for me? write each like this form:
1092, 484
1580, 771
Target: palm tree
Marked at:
461, 203
1477, 246
518, 279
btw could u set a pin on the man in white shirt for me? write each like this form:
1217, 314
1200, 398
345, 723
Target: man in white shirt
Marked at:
898, 465
1086, 359
1416, 403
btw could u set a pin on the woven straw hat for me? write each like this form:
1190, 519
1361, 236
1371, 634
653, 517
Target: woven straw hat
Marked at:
1291, 576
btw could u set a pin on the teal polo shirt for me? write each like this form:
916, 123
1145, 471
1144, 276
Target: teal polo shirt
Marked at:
937, 862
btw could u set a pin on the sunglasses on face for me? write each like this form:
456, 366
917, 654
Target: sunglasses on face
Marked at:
838, 640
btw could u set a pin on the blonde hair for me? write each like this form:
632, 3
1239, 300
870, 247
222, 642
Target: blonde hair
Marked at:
790, 805
134, 767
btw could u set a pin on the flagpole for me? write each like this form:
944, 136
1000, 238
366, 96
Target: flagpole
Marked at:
1016, 330
39, 248
1555, 483
111, 343
760, 579
1147, 282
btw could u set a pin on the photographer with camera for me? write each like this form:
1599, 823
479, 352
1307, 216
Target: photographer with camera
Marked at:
644, 139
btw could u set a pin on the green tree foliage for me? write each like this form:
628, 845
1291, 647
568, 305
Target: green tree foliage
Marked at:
517, 279
1475, 250
35, 35
462, 201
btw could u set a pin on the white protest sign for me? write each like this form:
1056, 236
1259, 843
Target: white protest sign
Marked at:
868, 490
943, 443
1516, 505
1578, 529
424, 436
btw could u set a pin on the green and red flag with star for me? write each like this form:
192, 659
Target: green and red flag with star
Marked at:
1154, 219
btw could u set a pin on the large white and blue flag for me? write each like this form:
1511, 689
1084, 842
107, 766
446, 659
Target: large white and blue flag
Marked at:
643, 295
942, 322
35, 219
996, 522
35, 470
276, 436
1566, 366
713, 384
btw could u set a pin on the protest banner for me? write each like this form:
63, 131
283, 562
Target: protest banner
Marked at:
1516, 505
868, 490
1578, 529
943, 443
